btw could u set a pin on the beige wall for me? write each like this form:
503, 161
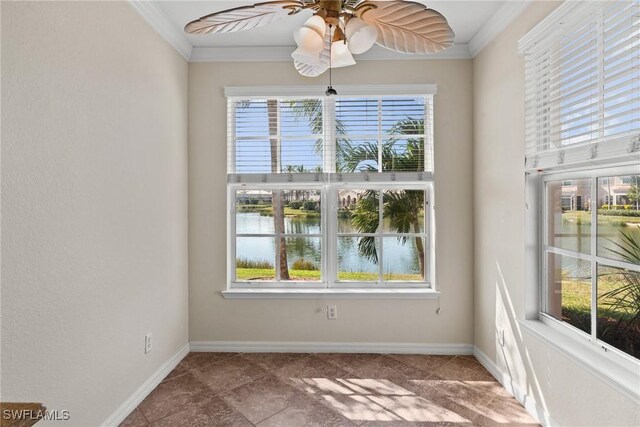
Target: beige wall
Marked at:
94, 205
361, 321
570, 394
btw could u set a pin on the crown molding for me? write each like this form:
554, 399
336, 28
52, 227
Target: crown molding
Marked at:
496, 24
283, 54
159, 21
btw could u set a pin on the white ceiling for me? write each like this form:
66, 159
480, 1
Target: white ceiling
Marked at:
465, 18
475, 23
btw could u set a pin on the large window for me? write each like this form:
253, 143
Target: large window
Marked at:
591, 256
583, 157
330, 192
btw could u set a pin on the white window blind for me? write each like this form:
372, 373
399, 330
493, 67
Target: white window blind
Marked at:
383, 134
582, 67
276, 135
351, 134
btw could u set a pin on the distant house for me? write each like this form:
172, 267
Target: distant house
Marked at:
576, 194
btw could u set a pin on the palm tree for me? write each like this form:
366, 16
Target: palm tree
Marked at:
402, 207
277, 198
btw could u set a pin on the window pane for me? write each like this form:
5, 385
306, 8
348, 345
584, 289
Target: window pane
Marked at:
253, 156
357, 155
403, 258
255, 258
619, 218
569, 290
403, 115
301, 155
358, 259
304, 258
252, 117
254, 212
619, 309
403, 211
301, 117
300, 211
403, 154
568, 216
357, 116
358, 211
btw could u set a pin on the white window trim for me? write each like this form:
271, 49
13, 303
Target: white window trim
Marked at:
617, 368
276, 92
322, 181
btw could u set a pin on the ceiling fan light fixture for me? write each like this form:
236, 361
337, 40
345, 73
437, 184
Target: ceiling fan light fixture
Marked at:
306, 56
340, 55
316, 23
360, 35
308, 38
310, 45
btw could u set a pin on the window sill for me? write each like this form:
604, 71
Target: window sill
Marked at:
353, 293
624, 377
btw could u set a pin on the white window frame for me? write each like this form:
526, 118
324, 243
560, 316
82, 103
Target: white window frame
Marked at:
329, 237
329, 183
617, 368
592, 257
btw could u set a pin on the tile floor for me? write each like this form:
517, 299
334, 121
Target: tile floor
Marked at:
282, 389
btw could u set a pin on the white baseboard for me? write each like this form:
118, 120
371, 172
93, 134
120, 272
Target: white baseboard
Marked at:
328, 347
521, 396
147, 387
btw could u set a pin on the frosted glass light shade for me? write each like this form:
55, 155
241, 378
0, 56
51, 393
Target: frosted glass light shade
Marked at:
308, 38
306, 56
316, 23
310, 44
340, 55
360, 35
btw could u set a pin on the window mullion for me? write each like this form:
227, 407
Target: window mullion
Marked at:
379, 134
331, 236
329, 136
380, 238
594, 264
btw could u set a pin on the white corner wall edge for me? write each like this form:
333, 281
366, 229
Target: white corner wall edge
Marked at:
147, 387
539, 414
158, 20
509, 11
329, 347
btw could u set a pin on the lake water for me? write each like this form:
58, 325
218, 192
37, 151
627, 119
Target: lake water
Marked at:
569, 234
573, 232
397, 258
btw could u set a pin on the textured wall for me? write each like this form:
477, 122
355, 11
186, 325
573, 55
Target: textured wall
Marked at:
94, 205
569, 393
410, 321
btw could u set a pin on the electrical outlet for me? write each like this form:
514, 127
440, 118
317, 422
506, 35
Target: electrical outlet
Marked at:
147, 343
501, 337
332, 312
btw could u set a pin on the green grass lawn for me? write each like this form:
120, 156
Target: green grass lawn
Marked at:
307, 275
268, 210
585, 218
576, 296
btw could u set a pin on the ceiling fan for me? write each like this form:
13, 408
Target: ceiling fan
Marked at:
339, 28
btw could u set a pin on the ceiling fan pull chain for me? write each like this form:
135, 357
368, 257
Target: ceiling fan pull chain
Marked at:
330, 90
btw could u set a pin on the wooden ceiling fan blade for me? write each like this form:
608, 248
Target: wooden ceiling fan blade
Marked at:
406, 26
244, 17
